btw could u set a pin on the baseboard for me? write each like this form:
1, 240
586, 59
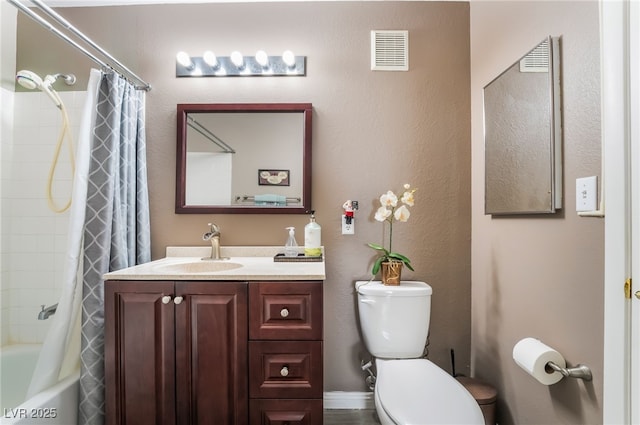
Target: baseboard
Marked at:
348, 400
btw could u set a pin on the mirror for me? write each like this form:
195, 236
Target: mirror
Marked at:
522, 134
244, 158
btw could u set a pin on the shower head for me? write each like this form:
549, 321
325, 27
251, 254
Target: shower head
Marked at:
29, 80
32, 81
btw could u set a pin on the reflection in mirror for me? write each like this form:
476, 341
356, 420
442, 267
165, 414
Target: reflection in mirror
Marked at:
244, 158
523, 146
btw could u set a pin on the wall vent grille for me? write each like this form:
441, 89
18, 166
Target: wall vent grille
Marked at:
536, 60
390, 50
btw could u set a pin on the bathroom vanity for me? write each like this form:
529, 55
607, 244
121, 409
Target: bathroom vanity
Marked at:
233, 342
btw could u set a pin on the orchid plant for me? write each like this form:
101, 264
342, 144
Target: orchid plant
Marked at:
389, 211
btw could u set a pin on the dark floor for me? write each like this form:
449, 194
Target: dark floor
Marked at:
350, 417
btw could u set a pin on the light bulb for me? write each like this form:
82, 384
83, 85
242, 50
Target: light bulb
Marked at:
210, 59
289, 58
237, 59
262, 58
184, 59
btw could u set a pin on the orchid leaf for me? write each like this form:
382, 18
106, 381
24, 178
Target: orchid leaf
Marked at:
379, 248
399, 257
377, 265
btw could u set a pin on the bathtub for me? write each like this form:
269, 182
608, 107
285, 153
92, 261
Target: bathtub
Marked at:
56, 405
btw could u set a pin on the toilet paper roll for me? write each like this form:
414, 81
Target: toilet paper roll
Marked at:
532, 356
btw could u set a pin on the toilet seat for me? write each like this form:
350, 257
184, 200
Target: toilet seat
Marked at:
417, 392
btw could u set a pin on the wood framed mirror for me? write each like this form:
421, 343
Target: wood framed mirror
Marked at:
246, 158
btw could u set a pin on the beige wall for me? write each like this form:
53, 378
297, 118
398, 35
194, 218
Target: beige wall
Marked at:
372, 131
539, 276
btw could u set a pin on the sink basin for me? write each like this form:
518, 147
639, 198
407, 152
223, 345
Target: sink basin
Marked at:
199, 267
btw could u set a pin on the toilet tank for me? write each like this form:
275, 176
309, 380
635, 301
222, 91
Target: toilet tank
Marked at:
394, 320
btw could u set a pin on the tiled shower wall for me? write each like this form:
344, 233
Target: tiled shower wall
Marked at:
34, 239
6, 140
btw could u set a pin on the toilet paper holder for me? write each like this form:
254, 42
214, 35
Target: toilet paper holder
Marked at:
580, 371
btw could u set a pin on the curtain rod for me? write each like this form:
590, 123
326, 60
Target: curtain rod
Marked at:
119, 67
191, 122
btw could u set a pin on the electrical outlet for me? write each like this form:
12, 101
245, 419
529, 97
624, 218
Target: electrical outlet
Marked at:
587, 194
348, 228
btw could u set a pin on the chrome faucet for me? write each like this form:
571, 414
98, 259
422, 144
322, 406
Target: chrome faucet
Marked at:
214, 236
48, 311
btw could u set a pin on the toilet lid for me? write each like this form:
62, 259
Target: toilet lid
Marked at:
417, 392
407, 288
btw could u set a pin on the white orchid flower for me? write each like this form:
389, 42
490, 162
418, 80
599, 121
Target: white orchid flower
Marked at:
382, 214
389, 199
407, 198
388, 211
402, 213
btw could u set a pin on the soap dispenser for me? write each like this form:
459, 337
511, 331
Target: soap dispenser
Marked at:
312, 238
291, 247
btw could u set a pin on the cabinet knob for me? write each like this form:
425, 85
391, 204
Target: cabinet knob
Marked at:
284, 312
166, 299
177, 300
284, 371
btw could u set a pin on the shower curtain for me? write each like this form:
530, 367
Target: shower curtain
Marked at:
60, 348
116, 231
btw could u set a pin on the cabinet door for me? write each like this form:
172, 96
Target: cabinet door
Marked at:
211, 353
139, 353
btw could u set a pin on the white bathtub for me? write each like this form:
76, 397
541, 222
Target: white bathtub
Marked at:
56, 405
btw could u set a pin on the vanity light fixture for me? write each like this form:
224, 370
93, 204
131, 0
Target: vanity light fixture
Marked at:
210, 59
237, 65
184, 59
238, 60
262, 58
289, 59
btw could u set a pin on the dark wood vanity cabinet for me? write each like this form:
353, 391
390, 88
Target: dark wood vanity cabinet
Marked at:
285, 353
223, 353
175, 352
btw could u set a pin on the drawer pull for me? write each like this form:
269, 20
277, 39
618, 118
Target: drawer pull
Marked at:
177, 300
284, 371
284, 312
166, 299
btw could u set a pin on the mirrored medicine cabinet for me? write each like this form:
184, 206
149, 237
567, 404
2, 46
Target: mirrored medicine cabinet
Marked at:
247, 158
523, 135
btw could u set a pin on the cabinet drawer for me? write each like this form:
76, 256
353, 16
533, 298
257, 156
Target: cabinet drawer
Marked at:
285, 369
280, 412
285, 310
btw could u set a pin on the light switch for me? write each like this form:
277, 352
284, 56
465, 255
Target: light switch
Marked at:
587, 194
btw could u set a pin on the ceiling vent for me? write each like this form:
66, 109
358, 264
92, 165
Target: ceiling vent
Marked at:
390, 50
536, 60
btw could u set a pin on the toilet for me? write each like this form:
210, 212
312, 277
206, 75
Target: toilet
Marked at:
409, 389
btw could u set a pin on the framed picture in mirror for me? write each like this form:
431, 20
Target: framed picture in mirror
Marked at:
273, 177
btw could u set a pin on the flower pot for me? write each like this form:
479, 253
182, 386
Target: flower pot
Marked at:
391, 273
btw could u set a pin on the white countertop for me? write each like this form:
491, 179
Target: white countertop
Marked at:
256, 264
